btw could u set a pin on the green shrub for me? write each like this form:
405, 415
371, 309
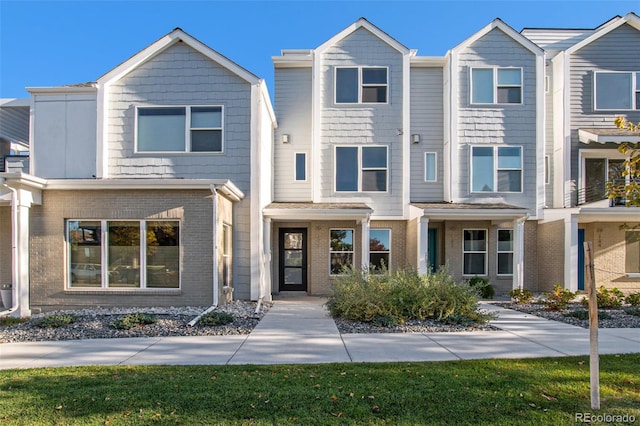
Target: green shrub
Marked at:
129, 321
582, 314
56, 321
215, 318
9, 321
485, 290
521, 296
633, 299
609, 298
559, 298
400, 296
633, 310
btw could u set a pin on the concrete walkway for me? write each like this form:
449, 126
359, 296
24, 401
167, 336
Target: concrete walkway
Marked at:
299, 331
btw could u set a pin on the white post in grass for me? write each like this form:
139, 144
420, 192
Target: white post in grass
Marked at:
594, 361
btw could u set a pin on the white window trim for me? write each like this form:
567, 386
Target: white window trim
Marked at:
498, 251
634, 76
360, 85
353, 252
295, 165
496, 169
435, 166
187, 136
104, 258
360, 169
485, 252
386, 251
495, 86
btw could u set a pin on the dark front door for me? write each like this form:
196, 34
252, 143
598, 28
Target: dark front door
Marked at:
293, 259
432, 249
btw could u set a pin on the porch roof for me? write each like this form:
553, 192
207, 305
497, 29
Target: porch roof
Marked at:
608, 134
471, 211
318, 211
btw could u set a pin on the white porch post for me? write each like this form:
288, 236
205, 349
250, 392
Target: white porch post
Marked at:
366, 226
423, 245
518, 254
22, 229
266, 259
571, 252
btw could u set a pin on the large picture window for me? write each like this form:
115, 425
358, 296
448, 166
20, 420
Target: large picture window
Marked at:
617, 90
124, 254
496, 169
496, 85
474, 252
180, 129
505, 252
341, 251
379, 250
361, 168
361, 85
632, 253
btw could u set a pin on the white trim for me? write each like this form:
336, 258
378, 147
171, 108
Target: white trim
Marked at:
317, 214
635, 75
486, 252
540, 137
630, 18
363, 23
361, 169
498, 251
405, 137
496, 86
496, 169
316, 127
585, 136
499, 24
295, 167
361, 85
435, 166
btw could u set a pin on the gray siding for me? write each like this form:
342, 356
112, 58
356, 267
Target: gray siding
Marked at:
617, 51
427, 120
293, 105
365, 124
14, 123
498, 124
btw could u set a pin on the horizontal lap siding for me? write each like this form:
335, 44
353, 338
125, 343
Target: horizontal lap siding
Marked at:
498, 124
365, 124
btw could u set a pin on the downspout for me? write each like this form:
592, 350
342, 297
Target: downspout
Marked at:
14, 249
214, 235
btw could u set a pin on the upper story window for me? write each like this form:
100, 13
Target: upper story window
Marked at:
361, 85
361, 168
496, 169
180, 129
617, 90
300, 166
496, 85
430, 169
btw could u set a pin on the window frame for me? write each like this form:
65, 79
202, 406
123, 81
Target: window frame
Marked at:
496, 86
631, 274
387, 252
496, 169
435, 166
361, 169
634, 92
295, 167
352, 251
485, 252
187, 130
104, 257
498, 252
361, 85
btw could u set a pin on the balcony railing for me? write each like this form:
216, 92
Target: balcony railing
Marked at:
592, 193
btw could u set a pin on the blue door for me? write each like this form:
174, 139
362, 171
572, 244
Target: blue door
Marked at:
580, 259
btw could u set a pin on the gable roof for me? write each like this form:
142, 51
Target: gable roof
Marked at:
499, 24
176, 36
363, 23
630, 18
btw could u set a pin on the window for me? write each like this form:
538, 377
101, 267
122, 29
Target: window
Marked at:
496, 85
361, 169
632, 253
547, 171
137, 254
361, 85
341, 251
430, 170
505, 252
379, 250
496, 169
475, 252
617, 90
179, 129
301, 166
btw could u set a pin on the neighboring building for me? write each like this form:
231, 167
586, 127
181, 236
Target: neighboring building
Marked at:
169, 182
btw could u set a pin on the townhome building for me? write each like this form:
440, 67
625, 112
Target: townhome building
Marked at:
169, 182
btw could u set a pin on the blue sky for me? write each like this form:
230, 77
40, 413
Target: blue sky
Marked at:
51, 43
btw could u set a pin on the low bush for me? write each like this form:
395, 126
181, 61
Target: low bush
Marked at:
633, 310
521, 296
485, 290
9, 321
403, 295
559, 298
129, 321
633, 299
55, 321
582, 314
215, 318
606, 298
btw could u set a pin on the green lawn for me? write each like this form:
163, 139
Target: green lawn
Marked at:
545, 391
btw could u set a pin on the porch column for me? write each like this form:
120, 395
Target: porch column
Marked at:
423, 245
266, 259
366, 226
518, 254
22, 229
571, 252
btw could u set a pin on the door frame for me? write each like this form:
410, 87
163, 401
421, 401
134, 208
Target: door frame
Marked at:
281, 267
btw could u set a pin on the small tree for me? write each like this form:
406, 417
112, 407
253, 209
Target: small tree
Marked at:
630, 190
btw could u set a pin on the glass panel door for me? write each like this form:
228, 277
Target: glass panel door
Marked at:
293, 259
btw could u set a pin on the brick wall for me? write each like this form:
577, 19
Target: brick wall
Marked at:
550, 255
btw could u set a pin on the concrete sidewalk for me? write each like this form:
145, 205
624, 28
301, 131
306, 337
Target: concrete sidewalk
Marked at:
300, 331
